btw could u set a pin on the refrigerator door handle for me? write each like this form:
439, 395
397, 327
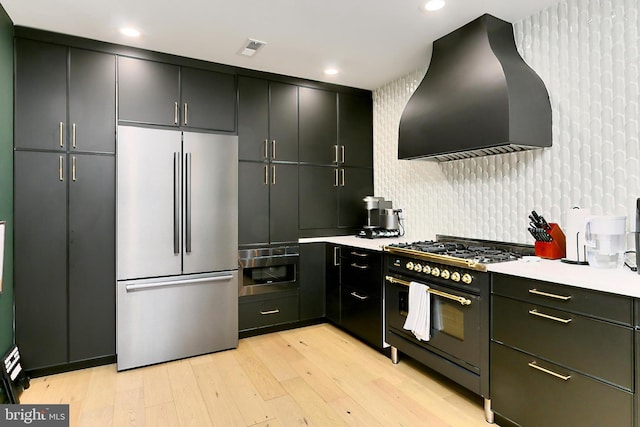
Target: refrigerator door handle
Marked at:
187, 208
145, 286
176, 203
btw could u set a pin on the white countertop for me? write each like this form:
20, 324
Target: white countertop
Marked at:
618, 281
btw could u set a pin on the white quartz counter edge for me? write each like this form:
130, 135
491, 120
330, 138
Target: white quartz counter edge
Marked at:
618, 281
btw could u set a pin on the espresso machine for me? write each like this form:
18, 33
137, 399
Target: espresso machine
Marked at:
382, 219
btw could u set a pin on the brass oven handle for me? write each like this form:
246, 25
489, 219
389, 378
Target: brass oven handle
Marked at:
535, 312
461, 300
550, 372
361, 267
264, 313
360, 297
548, 295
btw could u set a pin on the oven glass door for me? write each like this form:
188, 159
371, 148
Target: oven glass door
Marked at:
454, 327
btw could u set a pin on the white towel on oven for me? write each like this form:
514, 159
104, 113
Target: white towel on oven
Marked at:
419, 316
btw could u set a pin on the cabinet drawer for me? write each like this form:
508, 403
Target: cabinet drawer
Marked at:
532, 397
361, 269
362, 314
260, 312
588, 345
617, 308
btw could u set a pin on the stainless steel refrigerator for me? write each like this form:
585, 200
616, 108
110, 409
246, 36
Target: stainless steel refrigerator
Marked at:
177, 244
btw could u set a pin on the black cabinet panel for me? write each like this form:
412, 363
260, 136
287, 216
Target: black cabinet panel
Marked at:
92, 101
362, 314
40, 258
253, 119
40, 95
208, 99
318, 126
253, 203
355, 185
355, 129
92, 257
148, 92
283, 122
283, 201
312, 281
332, 283
268, 310
361, 269
318, 197
532, 397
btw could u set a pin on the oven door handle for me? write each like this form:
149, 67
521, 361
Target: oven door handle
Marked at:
461, 300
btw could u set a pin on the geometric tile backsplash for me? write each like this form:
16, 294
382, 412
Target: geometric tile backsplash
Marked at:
587, 54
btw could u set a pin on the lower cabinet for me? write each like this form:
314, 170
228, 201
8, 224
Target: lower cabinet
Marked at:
311, 278
361, 314
261, 311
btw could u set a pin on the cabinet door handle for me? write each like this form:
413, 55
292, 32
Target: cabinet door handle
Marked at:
73, 168
335, 154
361, 267
273, 149
335, 177
336, 256
61, 168
342, 177
548, 295
273, 175
73, 135
535, 312
360, 254
342, 152
175, 113
266, 149
186, 113
61, 129
267, 312
266, 175
534, 365
360, 297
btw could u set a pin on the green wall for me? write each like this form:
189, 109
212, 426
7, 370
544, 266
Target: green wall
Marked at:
6, 177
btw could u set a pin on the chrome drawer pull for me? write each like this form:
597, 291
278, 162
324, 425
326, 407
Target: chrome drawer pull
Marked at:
360, 254
361, 267
548, 295
535, 312
547, 371
276, 311
360, 297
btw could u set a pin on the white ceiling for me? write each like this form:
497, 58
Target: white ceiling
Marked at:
371, 42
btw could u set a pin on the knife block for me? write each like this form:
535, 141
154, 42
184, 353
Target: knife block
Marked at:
554, 249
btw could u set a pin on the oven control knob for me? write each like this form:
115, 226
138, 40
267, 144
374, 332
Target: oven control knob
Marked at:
444, 274
417, 268
409, 265
435, 271
426, 269
455, 276
466, 278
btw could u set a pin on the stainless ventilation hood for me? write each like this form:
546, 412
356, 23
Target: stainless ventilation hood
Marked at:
478, 98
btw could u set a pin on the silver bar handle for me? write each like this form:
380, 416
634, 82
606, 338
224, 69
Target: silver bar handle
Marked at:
61, 168
360, 254
144, 286
548, 295
188, 203
73, 168
336, 256
342, 152
176, 203
335, 177
361, 267
61, 136
267, 312
360, 297
175, 113
342, 177
273, 175
266, 175
266, 148
534, 365
186, 113
273, 149
73, 135
335, 154
535, 312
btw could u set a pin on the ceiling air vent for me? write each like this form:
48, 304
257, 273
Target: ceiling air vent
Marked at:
251, 47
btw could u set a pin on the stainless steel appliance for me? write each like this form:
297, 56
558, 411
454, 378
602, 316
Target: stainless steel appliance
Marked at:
177, 239
382, 219
267, 270
454, 270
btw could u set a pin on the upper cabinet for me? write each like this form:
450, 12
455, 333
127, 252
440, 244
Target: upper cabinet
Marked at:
355, 130
318, 126
164, 94
267, 120
50, 78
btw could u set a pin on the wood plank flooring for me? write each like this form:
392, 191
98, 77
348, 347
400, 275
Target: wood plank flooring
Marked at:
312, 376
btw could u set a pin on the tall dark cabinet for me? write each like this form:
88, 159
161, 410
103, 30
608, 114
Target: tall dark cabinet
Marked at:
64, 204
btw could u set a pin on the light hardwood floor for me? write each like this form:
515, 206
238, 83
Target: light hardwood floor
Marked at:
312, 376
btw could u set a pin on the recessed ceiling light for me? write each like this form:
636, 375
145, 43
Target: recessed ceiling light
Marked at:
434, 5
130, 32
331, 71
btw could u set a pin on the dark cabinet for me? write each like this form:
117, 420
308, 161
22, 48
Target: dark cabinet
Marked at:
318, 126
50, 78
332, 283
267, 203
312, 281
64, 274
560, 355
260, 311
355, 130
267, 120
158, 93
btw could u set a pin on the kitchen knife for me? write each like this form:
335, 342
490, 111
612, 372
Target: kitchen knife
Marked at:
544, 223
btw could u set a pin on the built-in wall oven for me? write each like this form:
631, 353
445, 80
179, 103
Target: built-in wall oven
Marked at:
270, 269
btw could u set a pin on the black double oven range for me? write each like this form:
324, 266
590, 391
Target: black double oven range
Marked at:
455, 272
